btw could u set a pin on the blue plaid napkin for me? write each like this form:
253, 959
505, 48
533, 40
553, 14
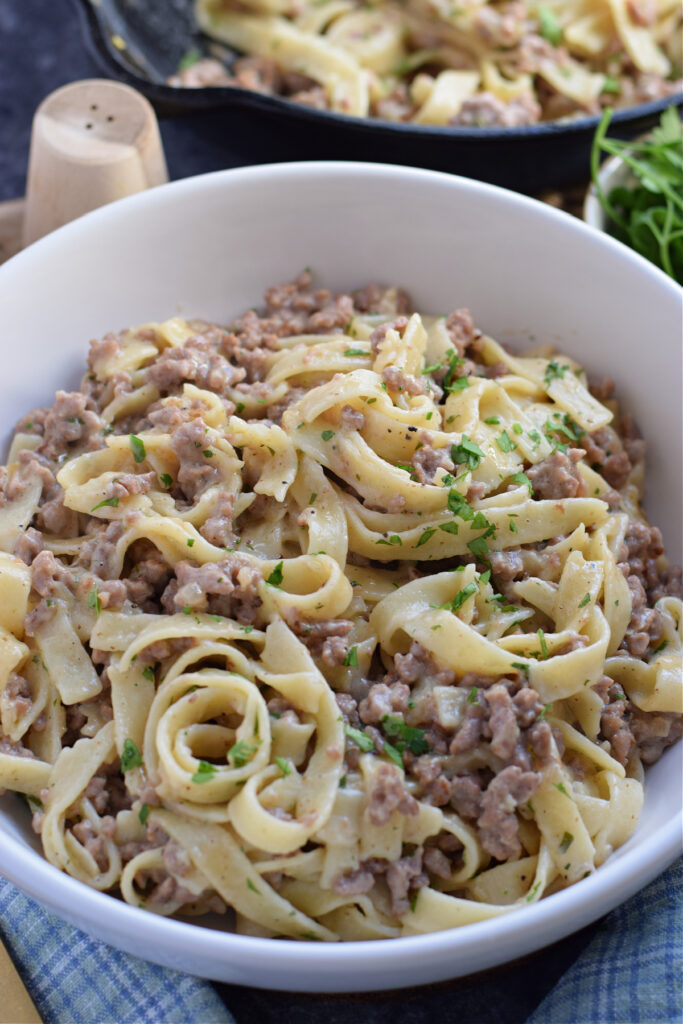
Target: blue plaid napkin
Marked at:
630, 973
632, 970
74, 979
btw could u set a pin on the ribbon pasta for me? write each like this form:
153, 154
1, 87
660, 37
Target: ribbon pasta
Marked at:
434, 62
368, 645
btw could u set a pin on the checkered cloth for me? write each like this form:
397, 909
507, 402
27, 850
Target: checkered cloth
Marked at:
630, 973
632, 970
74, 979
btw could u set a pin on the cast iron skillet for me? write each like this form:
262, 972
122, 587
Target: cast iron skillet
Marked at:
142, 41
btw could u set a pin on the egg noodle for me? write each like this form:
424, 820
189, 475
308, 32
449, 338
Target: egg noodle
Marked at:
437, 62
350, 674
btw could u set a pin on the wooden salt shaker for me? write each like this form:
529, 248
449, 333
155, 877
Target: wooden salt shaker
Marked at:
92, 142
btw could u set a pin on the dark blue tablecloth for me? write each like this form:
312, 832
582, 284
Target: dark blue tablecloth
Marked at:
40, 49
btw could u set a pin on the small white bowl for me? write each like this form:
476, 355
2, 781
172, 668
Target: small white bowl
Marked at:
209, 246
613, 172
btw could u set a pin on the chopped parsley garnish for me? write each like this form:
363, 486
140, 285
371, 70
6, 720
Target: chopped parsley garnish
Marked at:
275, 578
611, 85
463, 595
428, 533
205, 772
660, 647
94, 600
327, 435
166, 479
190, 542
312, 498
449, 527
148, 673
187, 60
459, 384
541, 639
284, 765
250, 885
549, 26
207, 453
143, 814
504, 442
479, 548
544, 712
554, 371
567, 840
457, 504
467, 451
351, 659
130, 756
361, 739
584, 601
473, 696
241, 753
355, 352
522, 478
492, 421
112, 502
561, 787
405, 735
137, 446
394, 754
393, 539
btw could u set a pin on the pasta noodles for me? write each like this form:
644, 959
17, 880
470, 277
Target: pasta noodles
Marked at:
342, 618
435, 62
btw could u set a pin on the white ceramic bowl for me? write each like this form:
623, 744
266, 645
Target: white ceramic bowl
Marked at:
208, 246
612, 173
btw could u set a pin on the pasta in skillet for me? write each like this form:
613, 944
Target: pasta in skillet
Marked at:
435, 62
341, 617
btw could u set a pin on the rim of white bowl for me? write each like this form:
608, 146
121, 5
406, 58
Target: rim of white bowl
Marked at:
558, 915
330, 168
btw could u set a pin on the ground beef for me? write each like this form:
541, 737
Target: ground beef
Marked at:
205, 72
29, 545
645, 626
462, 330
99, 551
640, 556
398, 381
486, 110
95, 843
427, 459
411, 667
218, 526
654, 732
403, 877
388, 794
131, 483
147, 575
557, 476
17, 694
229, 588
497, 823
376, 298
322, 637
198, 362
466, 794
380, 332
197, 468
606, 454
384, 700
47, 572
70, 424
352, 418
